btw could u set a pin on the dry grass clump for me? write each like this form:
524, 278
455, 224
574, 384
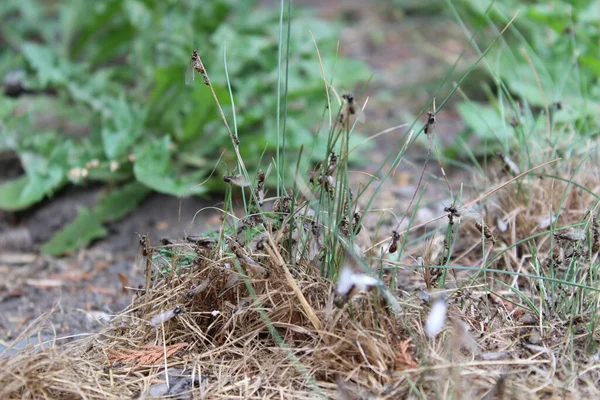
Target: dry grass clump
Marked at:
230, 332
248, 314
532, 305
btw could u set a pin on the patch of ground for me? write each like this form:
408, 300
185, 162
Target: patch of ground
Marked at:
95, 279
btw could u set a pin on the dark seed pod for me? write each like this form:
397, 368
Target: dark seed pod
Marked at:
394, 245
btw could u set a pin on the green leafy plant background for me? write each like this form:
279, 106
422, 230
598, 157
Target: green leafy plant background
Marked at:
548, 61
106, 102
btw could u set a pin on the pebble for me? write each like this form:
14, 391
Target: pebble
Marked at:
534, 337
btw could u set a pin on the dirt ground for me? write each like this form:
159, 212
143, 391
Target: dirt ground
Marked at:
403, 50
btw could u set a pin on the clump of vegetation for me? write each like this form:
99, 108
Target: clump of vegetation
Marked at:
498, 300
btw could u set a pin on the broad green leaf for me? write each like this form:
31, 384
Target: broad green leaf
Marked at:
485, 122
21, 193
51, 70
119, 202
45, 163
49, 182
138, 13
104, 173
121, 127
248, 48
96, 16
76, 235
591, 14
10, 195
203, 111
154, 169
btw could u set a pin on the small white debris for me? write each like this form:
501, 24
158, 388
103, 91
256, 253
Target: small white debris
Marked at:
215, 313
495, 356
349, 281
113, 166
163, 317
352, 280
436, 319
331, 182
77, 173
344, 283
545, 222
92, 164
501, 224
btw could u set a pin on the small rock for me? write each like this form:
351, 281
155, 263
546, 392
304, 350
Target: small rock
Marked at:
528, 319
158, 390
534, 337
494, 356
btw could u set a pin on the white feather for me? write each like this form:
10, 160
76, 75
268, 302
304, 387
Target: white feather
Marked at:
436, 319
344, 283
545, 222
348, 279
502, 224
364, 282
158, 319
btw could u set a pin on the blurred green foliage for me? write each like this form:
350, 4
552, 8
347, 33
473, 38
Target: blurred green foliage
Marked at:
548, 61
105, 82
544, 67
97, 93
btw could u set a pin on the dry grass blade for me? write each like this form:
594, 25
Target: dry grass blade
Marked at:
275, 255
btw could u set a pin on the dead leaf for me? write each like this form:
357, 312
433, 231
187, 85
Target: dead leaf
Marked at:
124, 281
148, 355
404, 359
